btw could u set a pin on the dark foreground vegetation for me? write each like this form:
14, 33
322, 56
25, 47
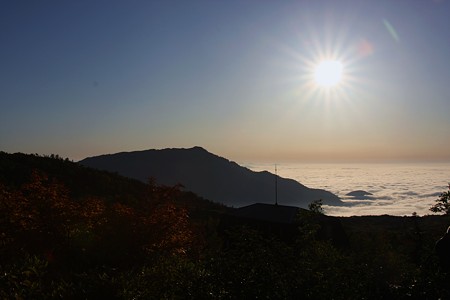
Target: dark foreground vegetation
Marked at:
76, 233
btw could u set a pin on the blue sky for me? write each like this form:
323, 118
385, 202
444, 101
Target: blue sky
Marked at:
81, 78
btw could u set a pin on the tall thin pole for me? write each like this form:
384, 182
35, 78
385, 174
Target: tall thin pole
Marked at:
276, 186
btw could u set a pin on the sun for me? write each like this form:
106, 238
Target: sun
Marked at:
328, 73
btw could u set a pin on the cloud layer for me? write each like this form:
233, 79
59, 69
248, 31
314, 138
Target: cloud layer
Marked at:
397, 189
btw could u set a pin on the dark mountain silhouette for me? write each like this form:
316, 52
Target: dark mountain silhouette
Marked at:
210, 176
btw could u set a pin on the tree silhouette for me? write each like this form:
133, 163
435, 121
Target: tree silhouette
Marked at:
442, 203
316, 207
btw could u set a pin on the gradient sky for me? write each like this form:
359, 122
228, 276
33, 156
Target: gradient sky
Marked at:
82, 78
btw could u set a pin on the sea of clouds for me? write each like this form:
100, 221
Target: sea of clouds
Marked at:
397, 189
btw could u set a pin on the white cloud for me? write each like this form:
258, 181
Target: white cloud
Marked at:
398, 189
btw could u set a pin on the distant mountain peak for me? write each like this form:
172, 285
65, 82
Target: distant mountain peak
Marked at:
199, 148
210, 176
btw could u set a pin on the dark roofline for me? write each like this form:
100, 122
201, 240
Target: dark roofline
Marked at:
272, 213
268, 204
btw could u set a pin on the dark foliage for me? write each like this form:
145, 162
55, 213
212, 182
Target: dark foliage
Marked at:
442, 203
69, 232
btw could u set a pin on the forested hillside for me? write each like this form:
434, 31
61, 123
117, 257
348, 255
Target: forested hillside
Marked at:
71, 232
210, 176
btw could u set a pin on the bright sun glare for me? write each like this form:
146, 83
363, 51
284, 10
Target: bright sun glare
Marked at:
328, 73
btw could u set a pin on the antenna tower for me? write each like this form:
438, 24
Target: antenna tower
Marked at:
276, 186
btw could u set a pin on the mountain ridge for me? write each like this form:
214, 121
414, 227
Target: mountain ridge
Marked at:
210, 176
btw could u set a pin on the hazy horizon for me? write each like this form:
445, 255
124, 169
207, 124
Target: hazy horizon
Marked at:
249, 160
240, 79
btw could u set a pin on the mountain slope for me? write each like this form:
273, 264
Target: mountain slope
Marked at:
210, 176
82, 182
